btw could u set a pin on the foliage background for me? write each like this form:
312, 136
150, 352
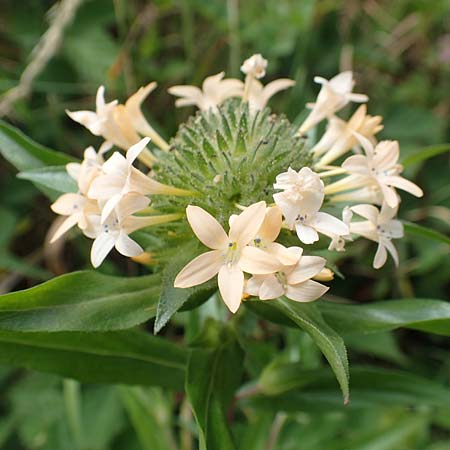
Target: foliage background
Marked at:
400, 52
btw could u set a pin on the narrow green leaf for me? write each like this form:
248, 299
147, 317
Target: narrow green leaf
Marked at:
52, 177
128, 357
25, 154
425, 154
172, 298
81, 301
309, 318
432, 316
290, 387
421, 231
214, 372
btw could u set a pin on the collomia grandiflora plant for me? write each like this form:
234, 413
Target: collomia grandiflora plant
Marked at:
243, 181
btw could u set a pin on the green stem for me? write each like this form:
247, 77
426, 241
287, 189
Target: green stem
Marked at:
233, 36
72, 401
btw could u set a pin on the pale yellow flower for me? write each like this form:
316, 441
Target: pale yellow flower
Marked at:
292, 281
333, 96
215, 90
119, 178
231, 255
380, 227
380, 166
340, 135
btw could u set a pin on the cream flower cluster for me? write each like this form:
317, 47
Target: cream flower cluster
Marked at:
250, 259
216, 90
109, 194
249, 247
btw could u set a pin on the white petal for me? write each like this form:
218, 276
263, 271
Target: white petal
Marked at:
247, 224
306, 234
231, 286
116, 164
271, 288
369, 212
73, 169
271, 226
134, 151
199, 270
65, 226
206, 228
126, 246
275, 86
306, 292
286, 256
258, 262
133, 108
356, 164
130, 204
105, 186
404, 184
380, 256
64, 204
306, 269
392, 250
390, 195
327, 224
109, 206
102, 245
253, 284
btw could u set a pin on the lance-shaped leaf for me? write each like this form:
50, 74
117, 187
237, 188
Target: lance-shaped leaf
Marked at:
214, 372
81, 301
308, 317
127, 357
173, 299
25, 154
52, 177
288, 386
432, 316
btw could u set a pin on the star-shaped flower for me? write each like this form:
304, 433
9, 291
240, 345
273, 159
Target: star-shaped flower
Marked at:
215, 90
120, 178
231, 253
340, 135
333, 96
293, 281
380, 166
380, 227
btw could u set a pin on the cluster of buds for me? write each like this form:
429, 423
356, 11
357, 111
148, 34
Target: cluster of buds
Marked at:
114, 196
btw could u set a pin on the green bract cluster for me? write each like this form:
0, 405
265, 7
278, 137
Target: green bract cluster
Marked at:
229, 157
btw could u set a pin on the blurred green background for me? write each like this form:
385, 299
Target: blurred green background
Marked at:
400, 53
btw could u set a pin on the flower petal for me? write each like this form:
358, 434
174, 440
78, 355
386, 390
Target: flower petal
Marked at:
247, 224
65, 203
65, 226
392, 250
134, 151
329, 225
286, 256
102, 245
206, 228
369, 212
306, 234
199, 270
356, 164
258, 262
403, 184
306, 269
306, 292
380, 256
126, 246
271, 288
231, 286
271, 226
